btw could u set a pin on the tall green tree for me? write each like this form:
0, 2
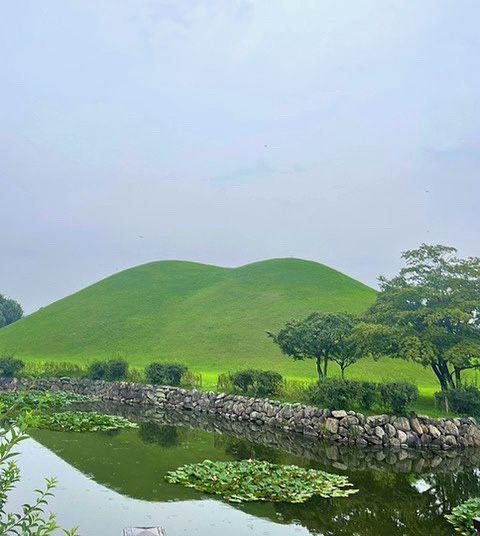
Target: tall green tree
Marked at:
429, 313
321, 337
10, 311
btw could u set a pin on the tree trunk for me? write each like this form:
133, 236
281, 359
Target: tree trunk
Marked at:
441, 380
342, 370
458, 381
318, 364
325, 366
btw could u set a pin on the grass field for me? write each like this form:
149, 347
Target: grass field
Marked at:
213, 319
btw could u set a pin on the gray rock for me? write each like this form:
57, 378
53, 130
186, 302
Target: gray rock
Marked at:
401, 423
331, 425
339, 414
390, 430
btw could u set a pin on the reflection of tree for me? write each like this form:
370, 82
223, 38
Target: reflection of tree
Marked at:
163, 435
390, 505
242, 449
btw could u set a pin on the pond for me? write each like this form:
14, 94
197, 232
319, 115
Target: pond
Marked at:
112, 480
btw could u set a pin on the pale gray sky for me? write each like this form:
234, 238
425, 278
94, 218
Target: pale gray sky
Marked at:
228, 131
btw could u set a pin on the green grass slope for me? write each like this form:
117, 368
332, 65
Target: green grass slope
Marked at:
211, 318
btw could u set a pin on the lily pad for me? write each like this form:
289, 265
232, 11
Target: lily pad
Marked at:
253, 480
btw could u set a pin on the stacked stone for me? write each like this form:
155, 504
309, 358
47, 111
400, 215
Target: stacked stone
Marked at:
338, 425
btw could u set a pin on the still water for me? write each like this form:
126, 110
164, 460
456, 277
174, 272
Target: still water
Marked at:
109, 481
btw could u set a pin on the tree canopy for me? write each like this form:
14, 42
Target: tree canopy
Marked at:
429, 313
10, 311
322, 337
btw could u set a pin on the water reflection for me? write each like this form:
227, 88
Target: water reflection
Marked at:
402, 492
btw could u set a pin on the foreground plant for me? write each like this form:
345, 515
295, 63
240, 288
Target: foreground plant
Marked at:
252, 480
77, 421
32, 520
462, 516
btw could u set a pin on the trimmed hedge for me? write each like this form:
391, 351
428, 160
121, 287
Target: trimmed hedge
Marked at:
346, 394
165, 373
256, 382
114, 369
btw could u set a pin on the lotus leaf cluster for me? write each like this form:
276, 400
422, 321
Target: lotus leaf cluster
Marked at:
253, 480
77, 421
41, 399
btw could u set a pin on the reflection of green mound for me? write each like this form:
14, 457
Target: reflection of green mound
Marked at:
126, 463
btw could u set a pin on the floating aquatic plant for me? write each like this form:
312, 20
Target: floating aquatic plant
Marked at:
253, 480
41, 399
77, 421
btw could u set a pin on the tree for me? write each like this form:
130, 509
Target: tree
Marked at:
10, 311
321, 337
429, 313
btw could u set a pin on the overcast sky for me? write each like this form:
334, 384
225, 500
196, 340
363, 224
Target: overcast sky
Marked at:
228, 131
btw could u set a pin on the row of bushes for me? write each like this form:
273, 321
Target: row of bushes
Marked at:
115, 369
333, 393
395, 397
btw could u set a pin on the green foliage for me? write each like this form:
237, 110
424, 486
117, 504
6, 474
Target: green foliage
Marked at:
32, 519
10, 367
462, 516
398, 396
77, 421
10, 311
251, 480
321, 337
165, 373
463, 401
28, 400
210, 318
428, 314
366, 394
97, 370
111, 370
333, 393
256, 382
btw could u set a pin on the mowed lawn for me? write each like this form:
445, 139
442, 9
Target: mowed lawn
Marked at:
212, 319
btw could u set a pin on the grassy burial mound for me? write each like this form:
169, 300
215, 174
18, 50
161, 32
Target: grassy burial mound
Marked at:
209, 317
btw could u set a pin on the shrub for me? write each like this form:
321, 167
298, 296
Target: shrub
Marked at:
97, 370
267, 382
114, 369
256, 382
10, 366
462, 516
333, 393
397, 396
165, 373
367, 393
243, 380
464, 401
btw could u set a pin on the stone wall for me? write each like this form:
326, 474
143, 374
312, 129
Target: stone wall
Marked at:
339, 426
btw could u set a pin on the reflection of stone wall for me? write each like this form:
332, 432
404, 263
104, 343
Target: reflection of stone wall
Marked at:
337, 425
334, 455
